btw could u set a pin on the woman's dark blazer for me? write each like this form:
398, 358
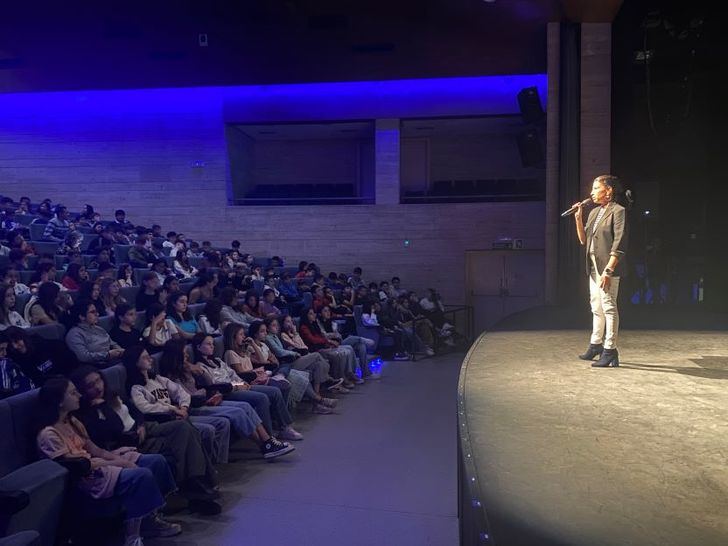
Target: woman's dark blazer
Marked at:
610, 238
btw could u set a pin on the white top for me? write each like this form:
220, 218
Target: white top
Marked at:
163, 335
14, 319
125, 416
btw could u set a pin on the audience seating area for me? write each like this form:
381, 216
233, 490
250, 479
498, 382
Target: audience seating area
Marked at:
38, 499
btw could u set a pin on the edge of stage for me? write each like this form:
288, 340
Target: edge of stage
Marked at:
553, 451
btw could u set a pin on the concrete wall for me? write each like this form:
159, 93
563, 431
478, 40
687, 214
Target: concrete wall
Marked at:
165, 161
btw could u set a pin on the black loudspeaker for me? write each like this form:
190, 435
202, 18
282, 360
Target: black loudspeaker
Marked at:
530, 105
530, 148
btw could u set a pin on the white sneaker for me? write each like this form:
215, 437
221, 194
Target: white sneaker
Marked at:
373, 376
289, 433
429, 352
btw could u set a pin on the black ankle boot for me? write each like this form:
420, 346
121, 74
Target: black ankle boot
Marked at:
610, 357
592, 351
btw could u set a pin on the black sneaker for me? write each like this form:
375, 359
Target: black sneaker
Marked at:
275, 448
205, 507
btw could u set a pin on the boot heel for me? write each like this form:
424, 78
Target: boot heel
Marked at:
609, 357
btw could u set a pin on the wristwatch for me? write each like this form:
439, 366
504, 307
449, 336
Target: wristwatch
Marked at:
608, 272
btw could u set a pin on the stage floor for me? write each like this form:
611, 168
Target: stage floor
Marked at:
569, 454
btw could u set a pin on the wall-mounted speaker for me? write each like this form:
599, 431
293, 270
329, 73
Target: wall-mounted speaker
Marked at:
530, 105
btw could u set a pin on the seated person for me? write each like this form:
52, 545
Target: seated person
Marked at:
120, 220
210, 320
154, 394
12, 379
139, 256
103, 256
159, 329
76, 274
251, 307
38, 358
44, 308
148, 294
125, 276
231, 311
268, 401
160, 268
90, 342
179, 313
105, 240
267, 304
176, 365
125, 332
57, 226
11, 277
358, 343
113, 422
109, 296
8, 315
140, 482
182, 267
204, 289
106, 271
341, 357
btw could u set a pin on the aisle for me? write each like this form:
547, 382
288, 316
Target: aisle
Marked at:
381, 472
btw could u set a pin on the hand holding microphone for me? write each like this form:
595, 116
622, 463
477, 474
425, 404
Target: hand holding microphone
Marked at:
576, 208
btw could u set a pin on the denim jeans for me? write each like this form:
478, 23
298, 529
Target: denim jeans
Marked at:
242, 416
268, 403
215, 433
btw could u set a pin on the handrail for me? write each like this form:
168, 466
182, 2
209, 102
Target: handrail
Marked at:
451, 310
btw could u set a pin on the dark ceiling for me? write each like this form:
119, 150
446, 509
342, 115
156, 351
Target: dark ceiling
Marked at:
112, 44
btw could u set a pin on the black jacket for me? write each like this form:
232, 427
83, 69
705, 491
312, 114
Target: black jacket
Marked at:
105, 427
610, 238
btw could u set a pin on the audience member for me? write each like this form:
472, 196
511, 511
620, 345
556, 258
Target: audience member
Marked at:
157, 396
140, 482
90, 342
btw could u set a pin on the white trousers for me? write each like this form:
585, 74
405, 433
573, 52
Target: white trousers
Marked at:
605, 326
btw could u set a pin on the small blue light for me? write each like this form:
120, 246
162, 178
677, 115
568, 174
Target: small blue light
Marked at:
406, 242
647, 213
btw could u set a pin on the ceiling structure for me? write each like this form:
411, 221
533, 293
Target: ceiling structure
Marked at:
111, 45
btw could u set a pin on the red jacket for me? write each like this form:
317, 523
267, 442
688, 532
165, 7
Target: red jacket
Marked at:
313, 340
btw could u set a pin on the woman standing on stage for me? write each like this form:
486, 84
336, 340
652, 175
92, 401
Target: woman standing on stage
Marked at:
605, 240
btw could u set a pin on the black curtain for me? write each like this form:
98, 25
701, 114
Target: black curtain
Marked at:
570, 273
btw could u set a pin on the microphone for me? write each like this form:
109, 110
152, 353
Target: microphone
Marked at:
573, 209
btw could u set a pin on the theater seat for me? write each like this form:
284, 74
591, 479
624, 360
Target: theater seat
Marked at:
43, 480
371, 332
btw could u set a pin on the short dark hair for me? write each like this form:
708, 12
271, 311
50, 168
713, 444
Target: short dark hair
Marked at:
171, 234
117, 212
358, 270
121, 310
235, 244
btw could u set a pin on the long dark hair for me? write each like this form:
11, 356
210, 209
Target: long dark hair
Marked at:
212, 312
3, 291
197, 356
50, 397
121, 272
133, 375
204, 276
312, 325
73, 272
79, 375
254, 328
172, 313
13, 334
47, 294
172, 363
228, 336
